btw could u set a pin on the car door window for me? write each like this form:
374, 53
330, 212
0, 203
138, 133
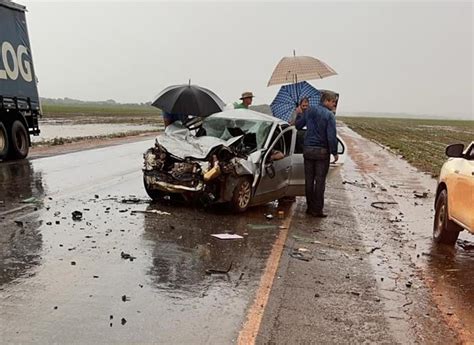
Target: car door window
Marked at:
278, 147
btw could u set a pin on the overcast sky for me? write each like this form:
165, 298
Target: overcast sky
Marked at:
399, 57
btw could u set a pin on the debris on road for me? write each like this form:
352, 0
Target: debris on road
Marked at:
301, 256
123, 321
217, 271
125, 298
466, 245
423, 195
19, 223
269, 216
77, 215
127, 256
32, 200
303, 250
355, 183
380, 204
227, 236
134, 201
164, 213
373, 250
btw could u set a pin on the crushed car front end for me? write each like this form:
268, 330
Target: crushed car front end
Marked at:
204, 168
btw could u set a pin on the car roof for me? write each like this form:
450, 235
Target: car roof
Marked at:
247, 114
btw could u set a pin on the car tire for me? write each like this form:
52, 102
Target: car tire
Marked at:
444, 230
19, 142
4, 142
241, 195
155, 195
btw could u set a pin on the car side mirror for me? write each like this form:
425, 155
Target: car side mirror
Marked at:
340, 147
455, 150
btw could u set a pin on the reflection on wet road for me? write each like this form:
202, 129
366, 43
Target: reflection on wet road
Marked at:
117, 275
131, 271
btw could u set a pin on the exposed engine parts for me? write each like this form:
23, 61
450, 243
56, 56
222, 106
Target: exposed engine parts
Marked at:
210, 173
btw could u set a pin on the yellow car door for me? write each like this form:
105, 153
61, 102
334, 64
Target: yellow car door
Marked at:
461, 189
466, 189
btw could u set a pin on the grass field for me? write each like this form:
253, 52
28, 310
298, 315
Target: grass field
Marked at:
420, 142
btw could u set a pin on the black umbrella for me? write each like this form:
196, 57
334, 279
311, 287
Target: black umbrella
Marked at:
188, 99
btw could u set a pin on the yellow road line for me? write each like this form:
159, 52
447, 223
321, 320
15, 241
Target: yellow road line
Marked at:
248, 333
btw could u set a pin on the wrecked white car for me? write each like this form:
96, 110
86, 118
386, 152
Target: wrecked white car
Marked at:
227, 158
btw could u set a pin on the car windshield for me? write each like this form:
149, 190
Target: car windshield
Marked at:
255, 131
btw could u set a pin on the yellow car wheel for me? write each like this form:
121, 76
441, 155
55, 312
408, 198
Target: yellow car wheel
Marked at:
444, 230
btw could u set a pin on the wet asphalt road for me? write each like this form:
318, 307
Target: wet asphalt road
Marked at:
65, 280
372, 275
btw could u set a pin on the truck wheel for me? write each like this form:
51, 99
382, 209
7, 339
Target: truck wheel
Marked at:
155, 195
4, 144
444, 230
241, 195
19, 144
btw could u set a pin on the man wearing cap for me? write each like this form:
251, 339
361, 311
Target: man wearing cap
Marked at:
246, 99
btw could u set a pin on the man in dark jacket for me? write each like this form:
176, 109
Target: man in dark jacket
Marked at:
320, 142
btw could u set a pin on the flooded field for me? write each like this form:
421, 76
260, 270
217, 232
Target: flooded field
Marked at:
51, 130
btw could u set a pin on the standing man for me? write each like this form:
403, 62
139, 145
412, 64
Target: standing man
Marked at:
320, 142
247, 98
303, 106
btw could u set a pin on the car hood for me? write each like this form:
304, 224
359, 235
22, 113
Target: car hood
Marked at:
179, 142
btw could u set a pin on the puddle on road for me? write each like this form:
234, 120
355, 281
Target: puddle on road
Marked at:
404, 232
57, 272
51, 131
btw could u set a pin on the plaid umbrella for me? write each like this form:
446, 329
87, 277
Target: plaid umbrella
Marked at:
289, 97
299, 68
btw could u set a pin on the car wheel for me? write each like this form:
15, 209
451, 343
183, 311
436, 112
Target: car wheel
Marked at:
155, 195
19, 144
444, 230
241, 195
4, 144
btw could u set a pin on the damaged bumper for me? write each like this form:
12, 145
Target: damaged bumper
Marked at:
212, 176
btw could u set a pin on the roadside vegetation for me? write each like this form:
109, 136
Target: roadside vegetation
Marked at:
421, 142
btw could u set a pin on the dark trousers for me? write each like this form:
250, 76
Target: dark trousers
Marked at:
316, 167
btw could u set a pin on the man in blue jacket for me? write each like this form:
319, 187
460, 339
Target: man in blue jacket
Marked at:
320, 142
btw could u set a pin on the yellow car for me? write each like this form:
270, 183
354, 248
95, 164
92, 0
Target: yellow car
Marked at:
454, 205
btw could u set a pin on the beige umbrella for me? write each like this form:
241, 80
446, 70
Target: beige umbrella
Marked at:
293, 69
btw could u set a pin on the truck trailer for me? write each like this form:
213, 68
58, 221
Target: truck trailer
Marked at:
20, 105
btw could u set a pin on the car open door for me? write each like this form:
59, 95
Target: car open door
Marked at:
275, 174
296, 185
